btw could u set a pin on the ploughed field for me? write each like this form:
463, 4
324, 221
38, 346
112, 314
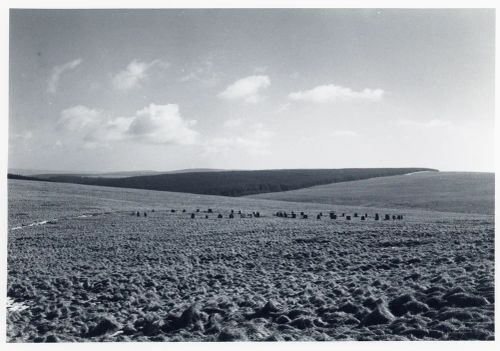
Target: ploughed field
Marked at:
89, 269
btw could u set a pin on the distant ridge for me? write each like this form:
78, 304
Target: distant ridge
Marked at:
118, 174
235, 183
21, 177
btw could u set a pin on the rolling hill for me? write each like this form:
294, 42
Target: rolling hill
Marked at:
45, 174
440, 191
236, 183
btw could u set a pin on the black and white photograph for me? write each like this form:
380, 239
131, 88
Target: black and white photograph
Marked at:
249, 174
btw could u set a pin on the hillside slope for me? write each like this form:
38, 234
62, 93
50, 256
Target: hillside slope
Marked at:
443, 191
237, 183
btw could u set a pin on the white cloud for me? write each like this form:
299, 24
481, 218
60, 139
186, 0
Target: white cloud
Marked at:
78, 118
135, 73
58, 71
247, 89
433, 123
162, 124
154, 124
333, 93
344, 133
94, 127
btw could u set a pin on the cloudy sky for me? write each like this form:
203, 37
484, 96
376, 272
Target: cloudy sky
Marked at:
251, 89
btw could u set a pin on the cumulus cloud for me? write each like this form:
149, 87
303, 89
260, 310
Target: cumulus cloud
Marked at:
334, 93
80, 117
58, 71
94, 127
433, 123
247, 89
154, 124
162, 124
135, 73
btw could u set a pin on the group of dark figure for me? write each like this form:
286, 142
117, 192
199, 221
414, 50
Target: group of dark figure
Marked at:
332, 215
193, 215
284, 214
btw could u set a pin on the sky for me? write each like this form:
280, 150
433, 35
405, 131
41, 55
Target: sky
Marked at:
121, 90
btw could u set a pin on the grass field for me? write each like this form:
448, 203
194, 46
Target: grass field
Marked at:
94, 271
440, 191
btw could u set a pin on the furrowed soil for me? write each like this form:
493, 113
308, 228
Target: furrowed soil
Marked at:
91, 270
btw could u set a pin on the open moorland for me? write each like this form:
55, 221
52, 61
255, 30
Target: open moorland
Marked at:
465, 192
82, 266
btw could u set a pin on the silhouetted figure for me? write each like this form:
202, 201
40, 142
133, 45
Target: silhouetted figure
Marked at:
387, 217
257, 214
231, 215
197, 210
321, 214
393, 217
153, 210
377, 217
355, 214
183, 210
285, 215
232, 211
138, 214
362, 218
343, 214
145, 214
206, 216
348, 218
304, 216
239, 212
301, 213
209, 210
172, 210
192, 215
318, 216
366, 215
294, 215
219, 216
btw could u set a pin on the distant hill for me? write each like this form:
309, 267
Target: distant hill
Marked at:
21, 177
118, 174
441, 191
236, 183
